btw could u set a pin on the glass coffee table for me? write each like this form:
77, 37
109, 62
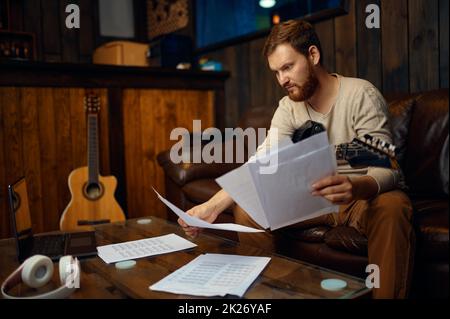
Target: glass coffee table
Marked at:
282, 278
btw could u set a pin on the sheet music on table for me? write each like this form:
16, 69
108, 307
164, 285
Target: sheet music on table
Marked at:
214, 275
143, 248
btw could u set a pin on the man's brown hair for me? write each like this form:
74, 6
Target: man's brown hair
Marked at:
299, 34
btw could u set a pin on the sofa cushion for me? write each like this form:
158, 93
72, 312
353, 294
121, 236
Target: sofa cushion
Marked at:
347, 239
400, 112
427, 154
183, 173
311, 235
201, 190
431, 221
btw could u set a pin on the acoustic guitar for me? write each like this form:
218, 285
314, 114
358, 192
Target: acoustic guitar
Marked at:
92, 200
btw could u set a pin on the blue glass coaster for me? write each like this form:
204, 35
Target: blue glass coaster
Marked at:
144, 221
127, 264
333, 284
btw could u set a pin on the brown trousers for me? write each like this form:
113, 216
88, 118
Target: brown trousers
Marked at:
386, 221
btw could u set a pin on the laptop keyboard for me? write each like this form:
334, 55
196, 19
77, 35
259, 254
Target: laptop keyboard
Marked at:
49, 245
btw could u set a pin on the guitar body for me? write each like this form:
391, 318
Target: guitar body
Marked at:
90, 205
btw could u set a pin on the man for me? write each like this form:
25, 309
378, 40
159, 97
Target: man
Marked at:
348, 108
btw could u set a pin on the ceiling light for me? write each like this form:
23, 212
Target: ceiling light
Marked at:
267, 3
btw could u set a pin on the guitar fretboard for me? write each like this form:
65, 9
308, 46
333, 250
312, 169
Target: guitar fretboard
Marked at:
93, 149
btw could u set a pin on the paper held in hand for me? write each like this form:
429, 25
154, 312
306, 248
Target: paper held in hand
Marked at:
284, 197
197, 222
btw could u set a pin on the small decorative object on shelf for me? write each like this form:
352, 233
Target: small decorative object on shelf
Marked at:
18, 46
166, 16
209, 65
4, 14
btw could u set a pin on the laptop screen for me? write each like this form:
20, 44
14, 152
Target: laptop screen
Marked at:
20, 215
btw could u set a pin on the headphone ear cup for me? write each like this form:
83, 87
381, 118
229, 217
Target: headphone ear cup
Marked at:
37, 271
67, 266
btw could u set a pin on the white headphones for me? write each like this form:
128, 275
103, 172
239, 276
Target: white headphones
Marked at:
37, 271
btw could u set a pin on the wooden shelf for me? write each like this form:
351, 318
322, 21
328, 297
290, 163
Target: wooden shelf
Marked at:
90, 75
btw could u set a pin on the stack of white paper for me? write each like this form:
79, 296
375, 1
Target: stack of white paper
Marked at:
143, 248
284, 197
214, 275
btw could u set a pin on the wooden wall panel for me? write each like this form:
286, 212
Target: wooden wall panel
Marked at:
86, 34
345, 42
56, 43
236, 60
368, 46
31, 153
4, 219
325, 32
63, 144
133, 152
443, 42
12, 133
423, 44
10, 100
264, 87
32, 16
149, 117
394, 26
16, 14
50, 28
43, 137
69, 37
49, 158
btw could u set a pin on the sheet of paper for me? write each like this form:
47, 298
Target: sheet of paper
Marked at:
197, 222
290, 151
240, 186
214, 275
286, 195
143, 248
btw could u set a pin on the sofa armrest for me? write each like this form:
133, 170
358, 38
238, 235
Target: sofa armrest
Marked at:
184, 173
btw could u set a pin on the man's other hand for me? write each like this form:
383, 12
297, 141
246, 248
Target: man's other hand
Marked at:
338, 189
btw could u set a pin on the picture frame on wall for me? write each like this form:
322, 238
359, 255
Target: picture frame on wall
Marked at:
4, 14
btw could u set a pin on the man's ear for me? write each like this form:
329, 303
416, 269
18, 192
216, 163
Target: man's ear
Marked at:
314, 55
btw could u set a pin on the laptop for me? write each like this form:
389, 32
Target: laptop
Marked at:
53, 245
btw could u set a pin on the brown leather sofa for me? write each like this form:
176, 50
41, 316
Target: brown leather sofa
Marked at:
421, 134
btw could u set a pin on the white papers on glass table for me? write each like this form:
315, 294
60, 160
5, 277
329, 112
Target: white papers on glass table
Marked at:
214, 275
197, 222
284, 197
143, 248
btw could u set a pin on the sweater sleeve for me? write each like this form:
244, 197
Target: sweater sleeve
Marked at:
372, 118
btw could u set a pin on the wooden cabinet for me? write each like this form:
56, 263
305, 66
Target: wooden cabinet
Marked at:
43, 130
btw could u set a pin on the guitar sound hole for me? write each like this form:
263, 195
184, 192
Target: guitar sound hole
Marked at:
93, 191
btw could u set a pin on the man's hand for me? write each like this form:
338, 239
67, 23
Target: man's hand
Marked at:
340, 190
204, 211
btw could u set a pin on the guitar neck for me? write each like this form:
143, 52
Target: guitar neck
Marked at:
93, 160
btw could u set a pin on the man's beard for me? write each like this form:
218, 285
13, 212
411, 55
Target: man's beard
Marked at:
307, 90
